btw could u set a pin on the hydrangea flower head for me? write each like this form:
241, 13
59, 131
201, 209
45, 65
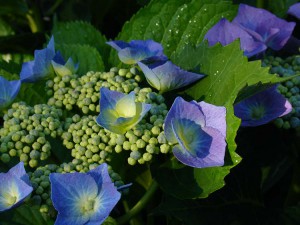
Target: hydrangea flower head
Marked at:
198, 131
164, 76
226, 32
264, 26
262, 108
68, 68
41, 66
295, 10
119, 112
14, 187
8, 91
83, 198
137, 50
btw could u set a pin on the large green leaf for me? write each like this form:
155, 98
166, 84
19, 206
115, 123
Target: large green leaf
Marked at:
79, 32
228, 72
175, 23
87, 56
280, 7
24, 215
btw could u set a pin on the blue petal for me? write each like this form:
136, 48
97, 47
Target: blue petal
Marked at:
118, 45
262, 108
12, 191
136, 50
264, 23
108, 98
183, 110
226, 32
215, 116
70, 191
191, 137
108, 198
19, 172
41, 66
115, 115
167, 76
216, 154
8, 91
295, 10
74, 220
100, 174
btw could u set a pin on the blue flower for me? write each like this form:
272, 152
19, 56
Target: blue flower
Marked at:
198, 131
137, 50
41, 66
264, 26
262, 108
83, 198
120, 112
295, 10
14, 187
68, 68
256, 28
8, 91
165, 76
226, 32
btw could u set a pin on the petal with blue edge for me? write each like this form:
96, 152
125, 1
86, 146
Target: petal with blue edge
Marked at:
273, 31
216, 146
12, 191
137, 50
8, 91
226, 32
182, 109
165, 76
262, 108
295, 10
120, 112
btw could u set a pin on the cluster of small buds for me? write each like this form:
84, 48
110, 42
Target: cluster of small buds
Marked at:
91, 144
83, 92
42, 192
26, 132
290, 89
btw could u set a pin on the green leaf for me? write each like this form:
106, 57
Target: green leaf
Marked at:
23, 215
110, 221
174, 23
228, 72
79, 32
5, 28
13, 7
280, 7
33, 93
87, 56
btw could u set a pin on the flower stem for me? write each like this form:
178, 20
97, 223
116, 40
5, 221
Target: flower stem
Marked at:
139, 205
34, 19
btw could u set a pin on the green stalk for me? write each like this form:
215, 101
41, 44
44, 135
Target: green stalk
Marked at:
139, 205
34, 19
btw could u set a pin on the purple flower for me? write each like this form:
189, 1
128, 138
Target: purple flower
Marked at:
8, 91
14, 187
137, 50
264, 26
120, 112
262, 108
295, 10
165, 76
41, 66
226, 32
83, 198
198, 131
256, 28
